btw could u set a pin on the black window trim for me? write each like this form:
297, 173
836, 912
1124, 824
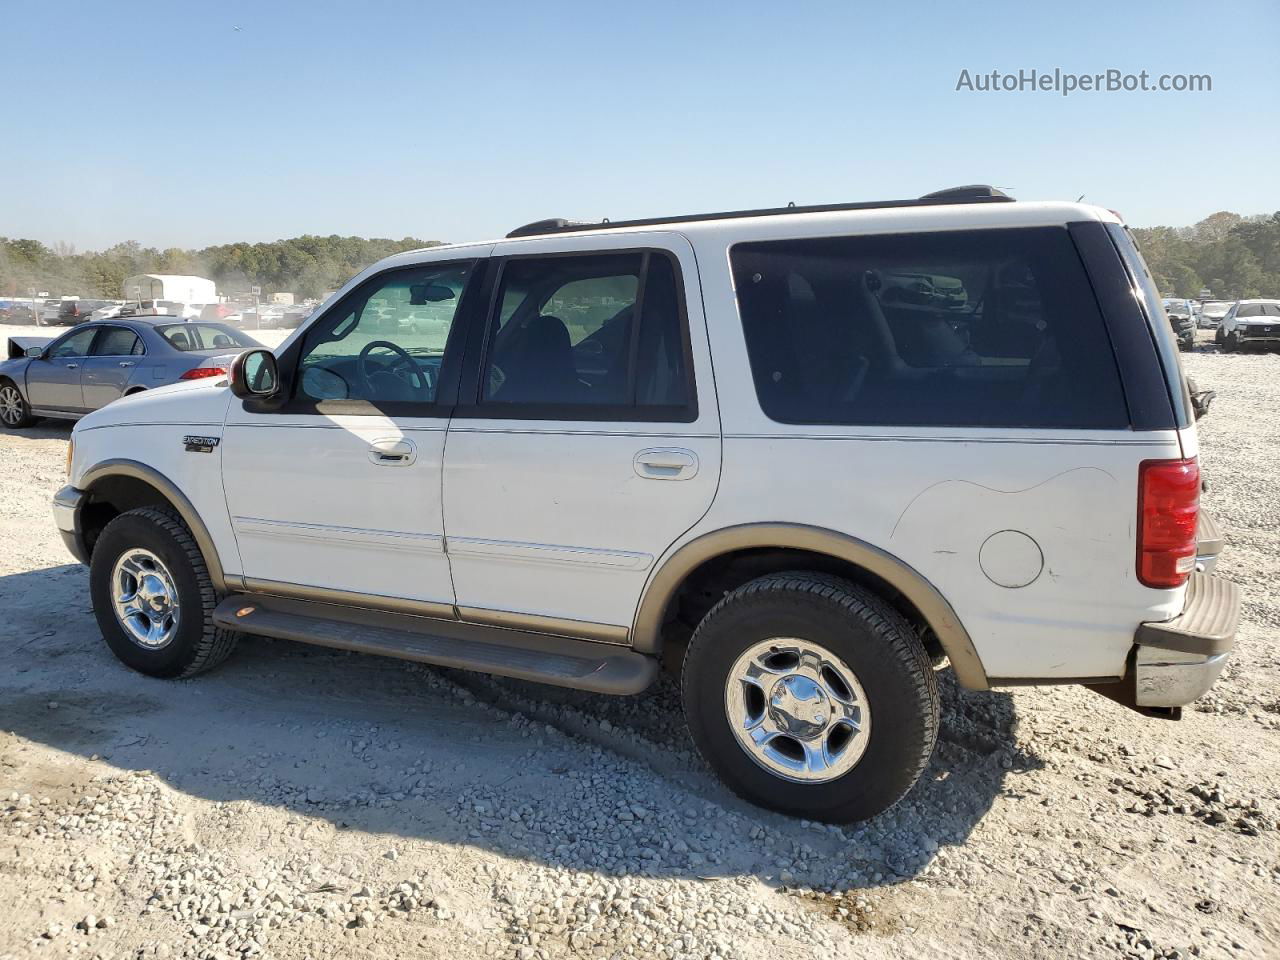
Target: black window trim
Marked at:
1167, 363
443, 408
471, 406
101, 335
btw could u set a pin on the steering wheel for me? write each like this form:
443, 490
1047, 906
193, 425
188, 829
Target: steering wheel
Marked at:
402, 369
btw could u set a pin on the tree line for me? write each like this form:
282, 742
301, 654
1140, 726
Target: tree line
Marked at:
1234, 257
307, 266
1231, 255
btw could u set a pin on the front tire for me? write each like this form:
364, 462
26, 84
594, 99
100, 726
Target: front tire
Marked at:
153, 598
15, 412
812, 696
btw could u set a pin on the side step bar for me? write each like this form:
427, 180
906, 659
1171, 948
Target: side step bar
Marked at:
561, 661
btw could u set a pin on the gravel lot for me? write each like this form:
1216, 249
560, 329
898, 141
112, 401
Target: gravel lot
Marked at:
303, 803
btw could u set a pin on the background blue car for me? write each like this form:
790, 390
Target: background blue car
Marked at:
96, 363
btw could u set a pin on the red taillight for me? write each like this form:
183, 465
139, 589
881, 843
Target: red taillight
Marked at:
1168, 506
200, 373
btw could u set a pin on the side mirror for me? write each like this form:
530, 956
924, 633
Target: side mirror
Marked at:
254, 375
35, 353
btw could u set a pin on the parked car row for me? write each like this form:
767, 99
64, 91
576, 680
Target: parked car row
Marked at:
1237, 324
100, 361
76, 310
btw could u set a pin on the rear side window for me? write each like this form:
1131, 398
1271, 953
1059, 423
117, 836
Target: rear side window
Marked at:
115, 342
585, 336
995, 328
200, 336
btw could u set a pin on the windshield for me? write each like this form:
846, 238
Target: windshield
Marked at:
1258, 310
202, 336
1218, 308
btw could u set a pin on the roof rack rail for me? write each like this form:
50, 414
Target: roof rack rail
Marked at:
975, 193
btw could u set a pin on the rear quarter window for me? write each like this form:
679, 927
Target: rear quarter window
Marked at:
1157, 322
995, 328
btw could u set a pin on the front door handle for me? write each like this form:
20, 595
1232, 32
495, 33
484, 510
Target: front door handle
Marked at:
72, 366
393, 452
666, 463
126, 363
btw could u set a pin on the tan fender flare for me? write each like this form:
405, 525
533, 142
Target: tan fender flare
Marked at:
177, 499
671, 573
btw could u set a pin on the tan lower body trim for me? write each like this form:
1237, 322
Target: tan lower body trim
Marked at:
580, 629
646, 634
298, 591
532, 623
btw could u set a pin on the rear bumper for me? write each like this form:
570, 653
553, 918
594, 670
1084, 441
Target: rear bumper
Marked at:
1208, 542
66, 515
1178, 660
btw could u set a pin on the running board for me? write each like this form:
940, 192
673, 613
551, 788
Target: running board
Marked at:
561, 661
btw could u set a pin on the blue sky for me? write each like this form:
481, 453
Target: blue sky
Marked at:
160, 122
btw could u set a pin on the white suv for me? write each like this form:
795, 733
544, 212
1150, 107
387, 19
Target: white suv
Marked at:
1251, 323
739, 444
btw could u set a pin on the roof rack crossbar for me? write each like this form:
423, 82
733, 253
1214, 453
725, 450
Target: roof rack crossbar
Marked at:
978, 193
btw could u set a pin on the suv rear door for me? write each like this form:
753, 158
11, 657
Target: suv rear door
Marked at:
585, 441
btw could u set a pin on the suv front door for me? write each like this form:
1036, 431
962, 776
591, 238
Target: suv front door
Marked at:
586, 439
336, 494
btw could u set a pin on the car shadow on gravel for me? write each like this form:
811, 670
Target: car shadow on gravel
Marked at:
44, 430
412, 753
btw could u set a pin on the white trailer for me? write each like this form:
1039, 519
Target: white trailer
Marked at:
161, 286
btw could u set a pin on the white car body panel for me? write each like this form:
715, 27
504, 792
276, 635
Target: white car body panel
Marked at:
309, 506
150, 428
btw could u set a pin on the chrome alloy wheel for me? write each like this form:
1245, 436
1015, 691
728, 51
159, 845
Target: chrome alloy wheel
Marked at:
10, 404
797, 709
145, 598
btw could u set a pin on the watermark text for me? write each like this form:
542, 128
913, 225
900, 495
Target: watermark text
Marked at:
1066, 83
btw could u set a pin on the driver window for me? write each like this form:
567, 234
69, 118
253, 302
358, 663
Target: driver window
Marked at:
386, 342
74, 345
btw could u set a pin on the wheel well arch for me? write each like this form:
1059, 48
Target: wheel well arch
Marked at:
693, 578
132, 390
116, 486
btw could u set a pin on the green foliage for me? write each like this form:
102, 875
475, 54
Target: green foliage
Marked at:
306, 266
1234, 256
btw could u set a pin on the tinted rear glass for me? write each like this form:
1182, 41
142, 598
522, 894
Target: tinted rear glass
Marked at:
1149, 296
995, 328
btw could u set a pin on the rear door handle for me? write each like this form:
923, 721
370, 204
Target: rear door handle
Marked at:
126, 363
666, 463
393, 452
72, 366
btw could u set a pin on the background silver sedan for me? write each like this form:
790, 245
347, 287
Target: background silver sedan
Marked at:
96, 363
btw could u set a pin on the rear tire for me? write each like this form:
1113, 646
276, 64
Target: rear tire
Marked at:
760, 637
15, 412
169, 631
